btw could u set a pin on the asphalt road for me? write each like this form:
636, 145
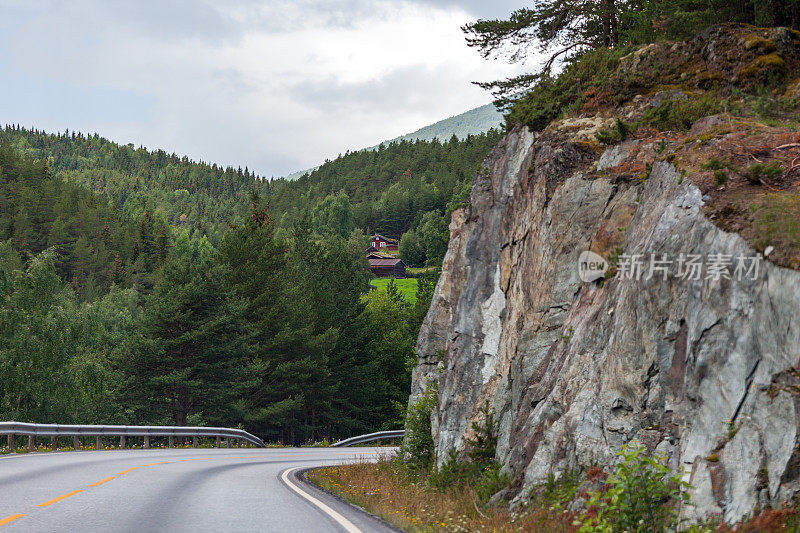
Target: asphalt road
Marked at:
247, 489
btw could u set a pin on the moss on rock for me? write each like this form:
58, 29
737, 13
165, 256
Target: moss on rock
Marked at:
763, 67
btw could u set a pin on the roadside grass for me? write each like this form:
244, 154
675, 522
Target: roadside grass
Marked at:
407, 286
156, 443
388, 490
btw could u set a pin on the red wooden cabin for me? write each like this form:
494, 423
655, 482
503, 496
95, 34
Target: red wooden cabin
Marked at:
384, 243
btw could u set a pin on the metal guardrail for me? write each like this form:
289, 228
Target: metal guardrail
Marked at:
76, 431
371, 437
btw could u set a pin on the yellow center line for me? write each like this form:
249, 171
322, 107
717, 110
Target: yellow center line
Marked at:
161, 463
126, 471
54, 500
198, 459
102, 481
11, 518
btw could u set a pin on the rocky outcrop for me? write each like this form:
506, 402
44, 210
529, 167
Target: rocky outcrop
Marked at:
703, 370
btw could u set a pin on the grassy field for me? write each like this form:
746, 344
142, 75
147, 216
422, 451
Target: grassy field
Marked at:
421, 270
408, 287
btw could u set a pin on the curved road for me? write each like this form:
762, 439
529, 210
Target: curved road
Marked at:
218, 489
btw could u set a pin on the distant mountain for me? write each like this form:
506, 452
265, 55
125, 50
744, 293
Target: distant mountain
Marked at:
473, 122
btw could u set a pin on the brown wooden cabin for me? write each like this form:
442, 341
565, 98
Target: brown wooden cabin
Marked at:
386, 267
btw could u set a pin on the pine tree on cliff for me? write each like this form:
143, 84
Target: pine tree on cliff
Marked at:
563, 30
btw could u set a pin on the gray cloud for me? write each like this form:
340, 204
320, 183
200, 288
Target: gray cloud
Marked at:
277, 86
482, 8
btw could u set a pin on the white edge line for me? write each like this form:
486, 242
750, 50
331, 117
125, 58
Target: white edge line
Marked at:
342, 521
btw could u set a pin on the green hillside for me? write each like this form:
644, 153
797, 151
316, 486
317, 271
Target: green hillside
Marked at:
403, 190
190, 194
472, 122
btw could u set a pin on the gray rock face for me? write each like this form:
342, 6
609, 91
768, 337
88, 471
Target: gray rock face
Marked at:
700, 369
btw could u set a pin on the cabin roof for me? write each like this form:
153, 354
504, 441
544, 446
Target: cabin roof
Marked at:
384, 261
381, 237
380, 255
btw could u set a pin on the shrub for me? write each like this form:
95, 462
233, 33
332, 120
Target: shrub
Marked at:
452, 472
719, 177
482, 472
618, 133
680, 115
417, 450
639, 496
551, 96
759, 171
483, 446
558, 492
491, 481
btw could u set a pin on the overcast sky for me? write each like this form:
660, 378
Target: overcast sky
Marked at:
277, 85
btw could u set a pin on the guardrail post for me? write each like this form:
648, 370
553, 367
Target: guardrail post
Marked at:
218, 443
171, 442
10, 443
194, 441
146, 442
98, 443
54, 443
122, 442
76, 443
379, 443
31, 447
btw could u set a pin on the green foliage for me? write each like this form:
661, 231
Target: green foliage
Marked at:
333, 216
557, 492
641, 496
312, 333
412, 251
719, 177
777, 221
264, 330
94, 245
426, 285
57, 354
549, 96
759, 171
390, 188
194, 195
571, 30
417, 451
616, 134
393, 336
177, 304
680, 115
434, 236
486, 478
482, 447
190, 361
481, 472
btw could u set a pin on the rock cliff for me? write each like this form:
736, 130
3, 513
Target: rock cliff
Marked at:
702, 367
